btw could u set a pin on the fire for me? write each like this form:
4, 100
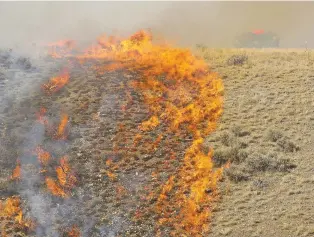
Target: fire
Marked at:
66, 180
41, 116
57, 83
54, 188
258, 32
43, 156
184, 94
156, 143
74, 232
65, 176
62, 126
61, 48
150, 124
10, 210
111, 175
16, 174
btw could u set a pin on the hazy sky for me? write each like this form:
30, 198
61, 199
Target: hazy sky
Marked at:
213, 23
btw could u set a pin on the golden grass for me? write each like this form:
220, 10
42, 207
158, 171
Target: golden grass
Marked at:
272, 92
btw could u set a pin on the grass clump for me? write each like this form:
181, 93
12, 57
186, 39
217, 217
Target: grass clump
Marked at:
237, 59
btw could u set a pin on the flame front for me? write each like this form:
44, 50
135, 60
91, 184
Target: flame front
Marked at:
184, 94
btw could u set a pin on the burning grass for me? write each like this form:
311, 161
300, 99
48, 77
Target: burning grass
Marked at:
11, 215
65, 182
183, 97
60, 48
164, 73
56, 83
16, 174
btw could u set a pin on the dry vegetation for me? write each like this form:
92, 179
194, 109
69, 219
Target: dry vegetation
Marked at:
266, 131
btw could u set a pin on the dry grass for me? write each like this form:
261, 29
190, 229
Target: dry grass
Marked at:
266, 132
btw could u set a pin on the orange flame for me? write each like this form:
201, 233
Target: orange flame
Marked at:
150, 124
40, 115
66, 180
65, 177
54, 188
62, 126
74, 232
43, 156
184, 94
61, 48
16, 174
258, 32
11, 210
57, 83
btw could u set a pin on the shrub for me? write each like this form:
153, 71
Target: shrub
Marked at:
269, 162
226, 139
238, 59
237, 173
239, 132
24, 63
286, 145
233, 154
274, 135
260, 162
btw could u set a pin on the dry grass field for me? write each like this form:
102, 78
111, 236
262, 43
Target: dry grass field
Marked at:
266, 131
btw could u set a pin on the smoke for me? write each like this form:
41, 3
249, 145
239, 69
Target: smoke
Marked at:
215, 24
26, 26
24, 23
